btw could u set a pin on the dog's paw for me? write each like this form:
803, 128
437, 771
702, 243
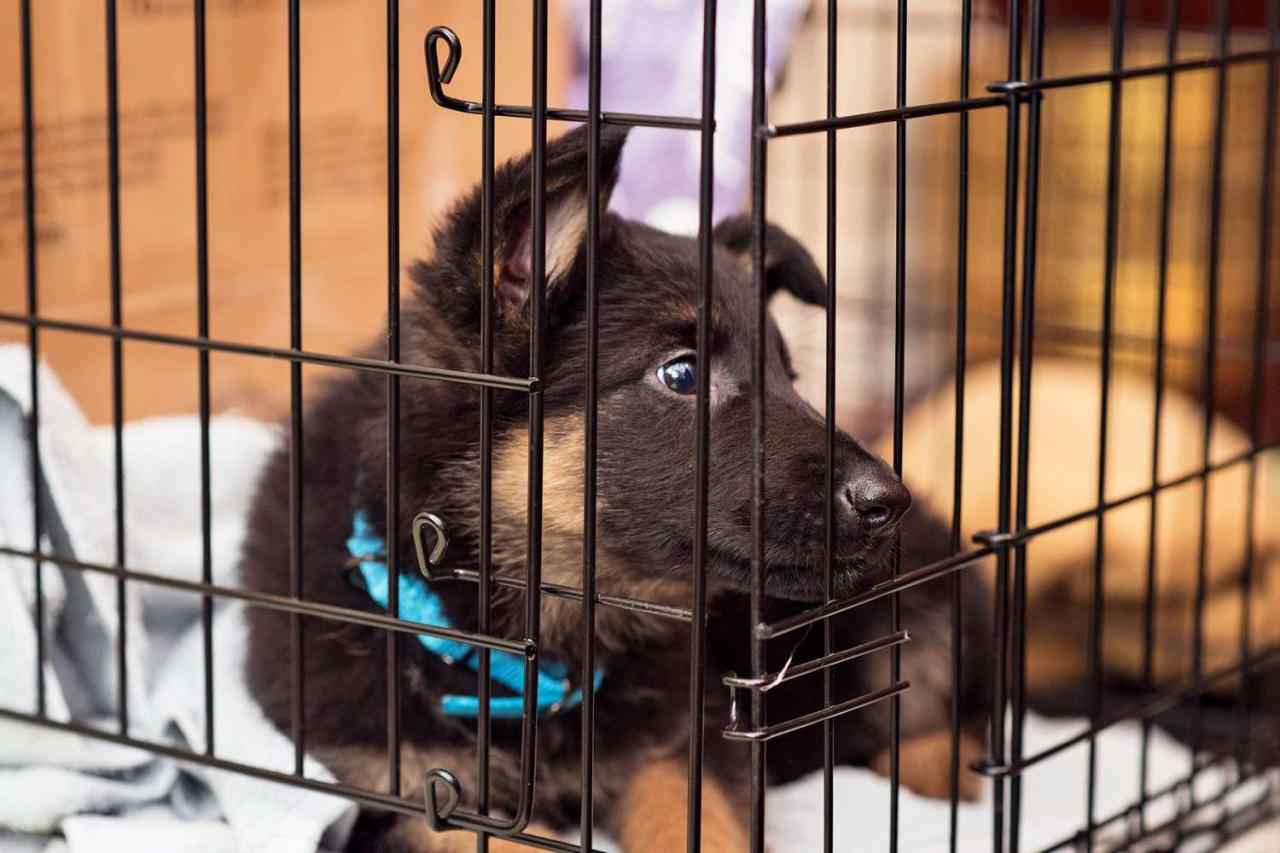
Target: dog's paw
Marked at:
924, 765
652, 812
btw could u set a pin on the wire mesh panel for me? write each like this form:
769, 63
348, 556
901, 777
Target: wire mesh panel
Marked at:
1007, 615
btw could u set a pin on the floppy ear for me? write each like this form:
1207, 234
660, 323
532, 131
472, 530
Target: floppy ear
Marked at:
788, 265
458, 241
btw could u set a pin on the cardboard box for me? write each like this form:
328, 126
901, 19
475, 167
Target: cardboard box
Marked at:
344, 192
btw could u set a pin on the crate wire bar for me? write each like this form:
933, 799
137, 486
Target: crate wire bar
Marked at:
1021, 98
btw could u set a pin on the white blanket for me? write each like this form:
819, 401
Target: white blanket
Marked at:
82, 794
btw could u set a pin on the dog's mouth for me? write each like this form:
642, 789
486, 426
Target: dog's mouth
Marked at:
801, 576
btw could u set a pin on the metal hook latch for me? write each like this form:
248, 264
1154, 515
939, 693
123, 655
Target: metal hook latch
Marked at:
437, 77
427, 562
438, 812
733, 682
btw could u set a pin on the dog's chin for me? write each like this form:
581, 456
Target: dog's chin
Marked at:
848, 578
804, 580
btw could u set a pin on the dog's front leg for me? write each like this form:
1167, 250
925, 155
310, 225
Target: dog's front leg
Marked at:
653, 812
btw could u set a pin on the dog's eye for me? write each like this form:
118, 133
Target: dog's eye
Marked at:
679, 374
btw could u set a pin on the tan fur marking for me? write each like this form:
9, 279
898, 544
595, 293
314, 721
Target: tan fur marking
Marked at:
684, 313
566, 226
562, 459
924, 765
653, 813
562, 535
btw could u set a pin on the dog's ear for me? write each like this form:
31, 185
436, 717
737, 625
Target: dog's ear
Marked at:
458, 242
788, 265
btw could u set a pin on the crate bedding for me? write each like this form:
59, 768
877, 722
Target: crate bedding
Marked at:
64, 791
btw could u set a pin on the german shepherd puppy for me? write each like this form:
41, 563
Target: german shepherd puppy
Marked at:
648, 291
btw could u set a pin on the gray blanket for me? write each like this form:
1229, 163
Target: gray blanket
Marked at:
70, 791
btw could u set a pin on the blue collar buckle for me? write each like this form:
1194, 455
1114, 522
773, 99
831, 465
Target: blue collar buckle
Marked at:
419, 603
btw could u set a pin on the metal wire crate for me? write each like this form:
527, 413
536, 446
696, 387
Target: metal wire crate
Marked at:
1020, 97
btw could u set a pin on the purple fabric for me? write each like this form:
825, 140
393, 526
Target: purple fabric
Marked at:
652, 63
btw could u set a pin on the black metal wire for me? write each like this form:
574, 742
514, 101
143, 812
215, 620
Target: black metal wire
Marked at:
1220, 61
117, 363
829, 416
1162, 296
1209, 390
899, 402
1110, 238
297, 686
590, 428
284, 603
202, 330
765, 683
759, 736
896, 114
554, 590
537, 349
437, 77
1266, 196
759, 115
484, 597
1026, 353
957, 469
702, 425
393, 392
371, 799
291, 355
969, 104
33, 344
169, 750
1000, 622
537, 365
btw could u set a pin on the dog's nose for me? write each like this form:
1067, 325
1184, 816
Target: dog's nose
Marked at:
876, 501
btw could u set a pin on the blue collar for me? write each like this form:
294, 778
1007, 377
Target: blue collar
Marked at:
418, 603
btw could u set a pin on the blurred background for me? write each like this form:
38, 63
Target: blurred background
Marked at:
652, 64
651, 57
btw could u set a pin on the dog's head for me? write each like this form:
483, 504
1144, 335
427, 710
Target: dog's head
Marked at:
648, 374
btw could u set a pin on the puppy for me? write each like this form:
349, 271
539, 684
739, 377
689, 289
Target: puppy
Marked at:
648, 292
